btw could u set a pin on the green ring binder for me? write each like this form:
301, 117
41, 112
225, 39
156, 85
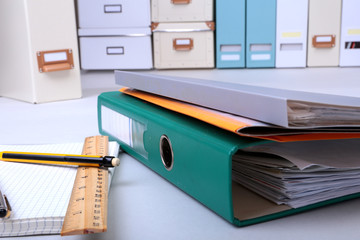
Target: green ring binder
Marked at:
202, 157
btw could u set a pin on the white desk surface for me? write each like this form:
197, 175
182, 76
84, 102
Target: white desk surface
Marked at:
142, 205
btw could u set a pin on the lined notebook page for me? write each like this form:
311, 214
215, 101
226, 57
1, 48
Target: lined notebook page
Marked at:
38, 194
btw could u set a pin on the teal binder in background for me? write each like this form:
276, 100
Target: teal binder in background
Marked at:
260, 33
230, 34
192, 155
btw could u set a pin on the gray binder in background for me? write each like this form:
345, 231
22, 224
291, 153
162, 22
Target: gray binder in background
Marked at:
286, 108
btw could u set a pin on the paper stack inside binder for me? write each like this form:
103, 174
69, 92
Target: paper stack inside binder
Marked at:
300, 173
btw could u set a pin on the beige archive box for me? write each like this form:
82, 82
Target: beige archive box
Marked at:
39, 50
183, 45
182, 10
324, 33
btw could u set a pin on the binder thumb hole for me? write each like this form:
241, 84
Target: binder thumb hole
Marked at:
166, 152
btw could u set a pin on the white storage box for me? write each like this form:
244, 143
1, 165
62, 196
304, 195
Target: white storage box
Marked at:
113, 13
115, 48
39, 50
182, 10
183, 45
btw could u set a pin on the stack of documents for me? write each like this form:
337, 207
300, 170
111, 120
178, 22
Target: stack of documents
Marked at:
310, 114
300, 173
311, 160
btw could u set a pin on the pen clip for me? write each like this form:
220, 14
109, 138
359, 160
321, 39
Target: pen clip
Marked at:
7, 206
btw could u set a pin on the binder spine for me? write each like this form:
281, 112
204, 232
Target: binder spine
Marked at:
230, 34
324, 33
291, 33
260, 33
350, 34
201, 153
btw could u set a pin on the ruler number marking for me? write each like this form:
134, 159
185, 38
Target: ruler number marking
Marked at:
90, 187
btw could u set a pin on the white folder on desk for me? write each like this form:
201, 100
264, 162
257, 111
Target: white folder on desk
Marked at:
286, 108
291, 33
350, 34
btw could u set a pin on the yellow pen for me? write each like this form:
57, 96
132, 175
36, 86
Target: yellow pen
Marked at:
64, 159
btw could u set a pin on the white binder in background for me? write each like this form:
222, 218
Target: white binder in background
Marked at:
350, 33
324, 33
39, 50
291, 33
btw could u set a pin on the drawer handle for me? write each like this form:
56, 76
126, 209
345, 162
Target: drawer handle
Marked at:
183, 44
55, 60
177, 2
113, 8
115, 51
323, 41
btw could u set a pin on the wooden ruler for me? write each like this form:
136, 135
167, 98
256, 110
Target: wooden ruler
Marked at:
87, 209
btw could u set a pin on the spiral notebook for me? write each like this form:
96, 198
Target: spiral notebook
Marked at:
39, 194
